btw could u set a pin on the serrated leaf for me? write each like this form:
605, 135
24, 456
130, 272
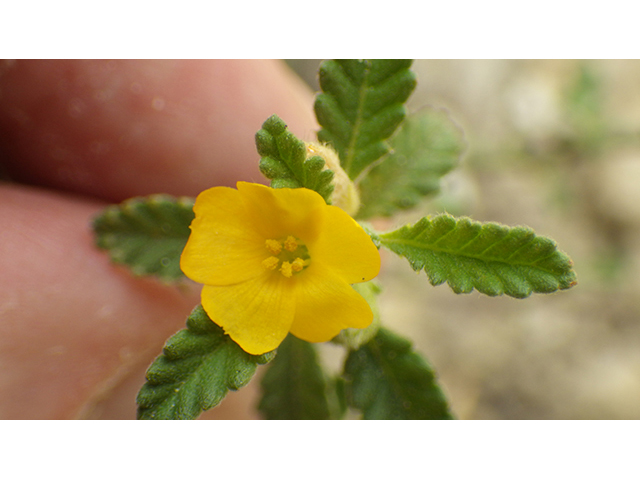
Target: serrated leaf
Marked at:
492, 258
386, 380
197, 368
427, 146
294, 387
360, 107
146, 234
284, 160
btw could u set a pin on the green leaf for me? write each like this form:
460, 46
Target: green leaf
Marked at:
386, 380
492, 258
360, 106
146, 234
294, 387
427, 146
197, 368
284, 160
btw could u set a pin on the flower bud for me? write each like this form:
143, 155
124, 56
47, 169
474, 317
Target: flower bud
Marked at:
345, 193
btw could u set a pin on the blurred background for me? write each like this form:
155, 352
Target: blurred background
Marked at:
554, 145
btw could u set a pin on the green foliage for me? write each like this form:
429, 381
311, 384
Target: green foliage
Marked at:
585, 112
197, 368
146, 234
386, 380
294, 387
428, 145
492, 258
284, 160
584, 96
360, 106
359, 109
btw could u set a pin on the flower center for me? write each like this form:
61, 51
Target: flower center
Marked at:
289, 256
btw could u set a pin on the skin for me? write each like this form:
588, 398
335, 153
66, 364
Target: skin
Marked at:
76, 332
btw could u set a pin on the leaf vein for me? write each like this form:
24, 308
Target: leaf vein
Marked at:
433, 248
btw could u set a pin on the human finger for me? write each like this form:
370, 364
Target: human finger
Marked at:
114, 129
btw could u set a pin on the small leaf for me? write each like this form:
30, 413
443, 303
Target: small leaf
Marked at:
294, 386
427, 146
284, 160
197, 368
360, 107
492, 258
146, 234
386, 380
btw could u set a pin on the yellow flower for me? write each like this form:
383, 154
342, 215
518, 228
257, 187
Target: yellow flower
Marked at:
274, 261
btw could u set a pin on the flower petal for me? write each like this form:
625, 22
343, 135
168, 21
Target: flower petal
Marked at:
256, 314
223, 247
283, 211
325, 305
345, 247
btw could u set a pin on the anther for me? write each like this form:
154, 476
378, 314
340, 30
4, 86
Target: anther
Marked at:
291, 244
274, 246
297, 265
270, 263
286, 269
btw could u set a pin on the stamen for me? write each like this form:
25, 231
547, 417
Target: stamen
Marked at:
274, 246
270, 263
286, 269
297, 265
291, 244
288, 256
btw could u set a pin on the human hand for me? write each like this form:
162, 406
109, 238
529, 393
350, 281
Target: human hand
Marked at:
76, 332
